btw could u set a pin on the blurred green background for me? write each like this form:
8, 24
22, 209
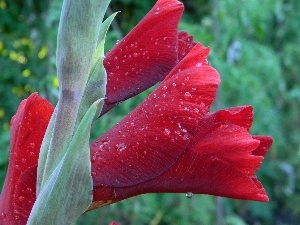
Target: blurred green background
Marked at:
255, 45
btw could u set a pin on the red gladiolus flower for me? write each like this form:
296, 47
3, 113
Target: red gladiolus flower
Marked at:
28, 127
171, 143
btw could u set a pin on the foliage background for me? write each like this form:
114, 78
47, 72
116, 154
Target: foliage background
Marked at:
255, 45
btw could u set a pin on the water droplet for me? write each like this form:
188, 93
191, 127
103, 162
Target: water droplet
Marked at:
189, 194
164, 87
93, 159
21, 198
196, 110
32, 145
157, 11
174, 84
121, 147
187, 94
185, 137
184, 130
94, 174
167, 131
28, 190
198, 64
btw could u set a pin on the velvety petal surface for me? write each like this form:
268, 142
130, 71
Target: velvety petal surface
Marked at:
145, 55
220, 160
27, 131
151, 139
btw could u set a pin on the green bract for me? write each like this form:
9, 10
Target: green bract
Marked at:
67, 193
64, 183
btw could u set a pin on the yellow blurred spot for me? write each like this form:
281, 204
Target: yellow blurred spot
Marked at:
2, 112
17, 57
13, 56
26, 73
55, 82
2, 4
17, 91
43, 52
27, 42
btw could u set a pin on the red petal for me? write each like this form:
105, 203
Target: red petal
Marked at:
114, 223
218, 161
152, 137
145, 55
265, 144
185, 44
27, 131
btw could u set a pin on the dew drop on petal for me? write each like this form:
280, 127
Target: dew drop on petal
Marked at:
93, 159
21, 198
28, 190
167, 131
189, 194
121, 147
185, 137
198, 64
187, 94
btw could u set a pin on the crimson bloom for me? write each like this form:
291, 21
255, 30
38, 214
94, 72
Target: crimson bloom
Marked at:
170, 143
27, 128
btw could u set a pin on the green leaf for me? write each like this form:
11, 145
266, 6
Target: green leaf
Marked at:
78, 36
99, 53
70, 182
96, 85
44, 152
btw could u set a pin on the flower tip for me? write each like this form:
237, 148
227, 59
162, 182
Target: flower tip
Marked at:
114, 223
